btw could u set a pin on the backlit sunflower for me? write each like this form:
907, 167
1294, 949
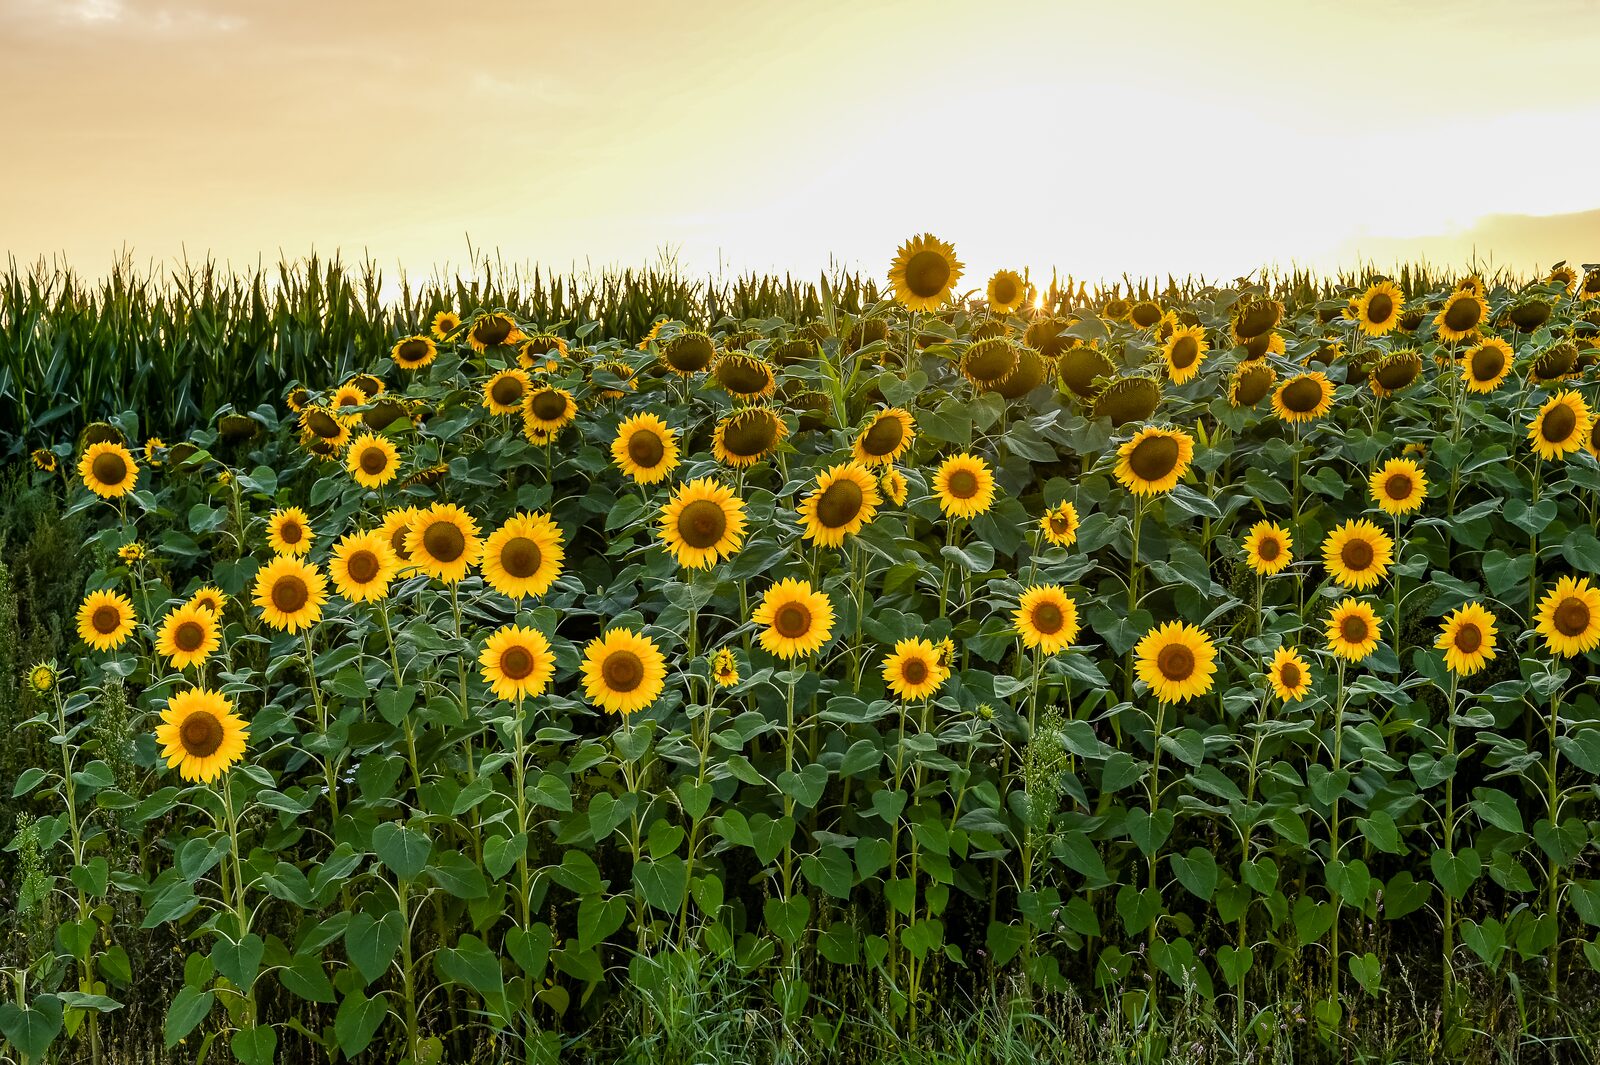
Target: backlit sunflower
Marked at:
1079, 370
845, 500
913, 672
188, 636
885, 438
1461, 315
43, 460
1127, 399
492, 330
1267, 548
542, 352
1154, 461
504, 392
1304, 397
745, 377
1377, 310
200, 735
1254, 317
443, 542
892, 483
1177, 660
702, 523
724, 668
645, 448
924, 272
396, 529
1561, 426
549, 409
108, 470
413, 353
1395, 372
623, 671
688, 353
289, 531
1060, 524
794, 620
1467, 638
524, 556
1352, 630
1289, 675
1183, 352
105, 619
1357, 554
373, 460
1568, 617
1249, 383
444, 323
1486, 365
321, 425
290, 593
1047, 335
517, 663
211, 598
747, 436
1144, 314
1046, 618
362, 565
1563, 275
1398, 486
1007, 291
964, 485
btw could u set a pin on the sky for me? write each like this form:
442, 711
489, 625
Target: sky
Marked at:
1098, 139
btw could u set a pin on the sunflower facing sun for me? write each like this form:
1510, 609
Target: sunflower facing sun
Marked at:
623, 671
1266, 548
362, 565
1352, 630
1007, 291
200, 735
844, 501
289, 532
443, 542
1303, 398
517, 663
1357, 554
290, 593
1561, 426
1177, 660
964, 485
924, 272
1398, 487
1183, 353
1467, 638
105, 620
1569, 617
1046, 619
1289, 675
914, 671
1154, 461
108, 470
373, 460
702, 523
1377, 310
885, 438
188, 636
645, 448
794, 620
523, 557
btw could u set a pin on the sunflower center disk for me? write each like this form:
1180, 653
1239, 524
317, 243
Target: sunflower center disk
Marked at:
702, 524
1468, 639
548, 405
492, 331
1462, 315
839, 504
397, 541
1184, 352
362, 566
1380, 308
1558, 424
646, 449
106, 619
1289, 676
1398, 487
289, 533
413, 351
373, 460
1353, 630
1175, 662
201, 734
927, 274
963, 484
914, 670
1572, 617
109, 468
290, 594
1302, 396
792, 620
189, 636
1047, 618
622, 671
1154, 458
1487, 363
884, 436
1269, 549
444, 541
521, 557
1357, 555
516, 663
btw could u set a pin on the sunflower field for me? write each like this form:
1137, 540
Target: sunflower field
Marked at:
1208, 672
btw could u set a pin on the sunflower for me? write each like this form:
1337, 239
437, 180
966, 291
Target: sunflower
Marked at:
1046, 618
1249, 383
1377, 310
1467, 638
414, 352
1555, 363
1463, 312
131, 553
892, 486
211, 598
645, 448
1183, 352
914, 671
396, 528
1592, 444
794, 619
105, 619
1047, 335
1398, 486
188, 636
1079, 368
289, 531
885, 438
702, 523
745, 377
1127, 399
1486, 365
724, 668
373, 461
747, 436
524, 556
444, 323
42, 677
320, 424
200, 735
1353, 630
623, 671
688, 353
370, 386
443, 542
1357, 554
1267, 548
505, 391
362, 566
153, 449
345, 397
108, 470
654, 334
964, 485
549, 409
1304, 397
843, 502
517, 663
297, 398
1395, 372
43, 460
1254, 318
1177, 660
1289, 675
924, 272
621, 371
1590, 288
1154, 461
1563, 275
1561, 426
1144, 314
1060, 524
290, 593
1170, 323
542, 351
1007, 291
1568, 617
492, 330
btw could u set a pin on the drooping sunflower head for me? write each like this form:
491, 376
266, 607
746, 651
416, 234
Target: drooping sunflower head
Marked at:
414, 352
1267, 548
385, 412
885, 438
1377, 310
108, 469
702, 523
549, 409
913, 672
1144, 314
1255, 317
290, 593
105, 620
794, 619
200, 735
524, 556
542, 352
1358, 554
1352, 629
1007, 291
623, 671
210, 597
1249, 383
1078, 369
1569, 617
517, 663
1463, 311
373, 460
492, 330
1289, 675
844, 501
1155, 460
1030, 373
1046, 619
1059, 525
1177, 660
362, 565
1555, 363
1561, 426
1398, 486
1259, 347
1590, 287
1305, 397
620, 376
443, 542
747, 436
745, 377
319, 424
688, 353
964, 485
989, 362
1467, 637
1184, 351
371, 386
924, 272
188, 636
867, 331
1116, 309
1395, 372
1529, 314
505, 391
444, 323
645, 448
724, 668
1127, 399
1048, 335
289, 531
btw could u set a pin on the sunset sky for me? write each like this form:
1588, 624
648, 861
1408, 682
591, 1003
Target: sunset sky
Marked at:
1149, 138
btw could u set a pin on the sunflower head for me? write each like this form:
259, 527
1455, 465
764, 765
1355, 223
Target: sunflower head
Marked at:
43, 459
885, 437
1030, 373
1267, 548
444, 323
362, 566
702, 523
989, 362
373, 461
1377, 310
1561, 426
1529, 314
42, 678
108, 469
844, 500
290, 593
200, 735
211, 598
1080, 369
1259, 347
623, 671
1155, 460
396, 529
1463, 312
188, 636
914, 671
1007, 291
1358, 554
1183, 352
1046, 619
1254, 317
724, 668
320, 424
1569, 617
548, 409
1467, 637
542, 352
517, 663
1398, 486
794, 619
1305, 397
645, 448
924, 272
105, 620
745, 377
1396, 371
443, 542
289, 531
492, 330
1144, 314
1249, 383
1352, 630
415, 352
1555, 363
688, 353
1116, 309
131, 552
964, 485
1289, 675
505, 392
1048, 335
747, 436
1128, 399
1059, 525
1177, 660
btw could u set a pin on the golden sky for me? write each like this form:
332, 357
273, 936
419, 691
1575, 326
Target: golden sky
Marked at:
1148, 138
